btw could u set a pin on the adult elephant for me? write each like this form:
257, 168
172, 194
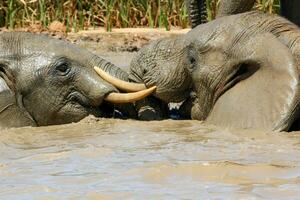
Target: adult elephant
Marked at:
198, 14
237, 71
45, 81
290, 10
198, 9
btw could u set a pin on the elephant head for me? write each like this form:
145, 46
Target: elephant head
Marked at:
232, 7
234, 75
44, 81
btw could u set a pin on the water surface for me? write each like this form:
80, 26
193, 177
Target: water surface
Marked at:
126, 159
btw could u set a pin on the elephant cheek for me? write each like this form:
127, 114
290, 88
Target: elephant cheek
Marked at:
67, 115
202, 105
197, 113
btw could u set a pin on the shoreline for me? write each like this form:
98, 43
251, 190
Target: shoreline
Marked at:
120, 40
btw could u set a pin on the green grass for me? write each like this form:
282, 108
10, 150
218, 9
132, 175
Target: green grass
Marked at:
83, 14
271, 6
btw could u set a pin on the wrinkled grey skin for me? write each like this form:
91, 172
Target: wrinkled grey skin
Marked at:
45, 81
231, 7
237, 71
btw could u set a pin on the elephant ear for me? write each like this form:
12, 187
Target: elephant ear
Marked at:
268, 99
11, 114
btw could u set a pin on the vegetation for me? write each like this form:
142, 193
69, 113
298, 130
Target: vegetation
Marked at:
82, 14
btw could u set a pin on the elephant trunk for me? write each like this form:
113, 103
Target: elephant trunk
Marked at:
108, 67
197, 12
162, 63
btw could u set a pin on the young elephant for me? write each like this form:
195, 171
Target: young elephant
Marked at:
44, 81
237, 71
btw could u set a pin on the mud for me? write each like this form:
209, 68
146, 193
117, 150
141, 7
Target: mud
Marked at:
120, 45
127, 159
117, 159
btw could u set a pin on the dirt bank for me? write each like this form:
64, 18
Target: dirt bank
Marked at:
120, 40
120, 45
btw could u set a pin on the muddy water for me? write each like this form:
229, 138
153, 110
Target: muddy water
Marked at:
117, 159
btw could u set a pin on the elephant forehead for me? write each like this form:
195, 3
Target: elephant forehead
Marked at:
167, 48
27, 44
36, 60
15, 45
231, 29
52, 47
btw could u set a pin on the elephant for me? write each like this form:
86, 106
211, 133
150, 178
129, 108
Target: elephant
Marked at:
198, 13
290, 10
198, 9
46, 81
238, 71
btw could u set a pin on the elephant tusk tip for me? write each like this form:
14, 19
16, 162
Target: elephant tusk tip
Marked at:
129, 97
153, 88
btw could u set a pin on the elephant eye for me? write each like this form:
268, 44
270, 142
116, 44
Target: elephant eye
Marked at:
192, 63
62, 69
192, 60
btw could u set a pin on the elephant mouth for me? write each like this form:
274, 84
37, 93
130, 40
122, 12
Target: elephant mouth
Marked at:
108, 110
112, 104
77, 97
135, 91
105, 109
241, 72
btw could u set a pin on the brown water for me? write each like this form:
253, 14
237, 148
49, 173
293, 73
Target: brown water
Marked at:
126, 159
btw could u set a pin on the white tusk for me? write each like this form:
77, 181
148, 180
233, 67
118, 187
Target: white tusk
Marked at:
120, 84
129, 97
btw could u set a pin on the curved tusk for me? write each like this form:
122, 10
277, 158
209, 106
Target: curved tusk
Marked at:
129, 97
122, 85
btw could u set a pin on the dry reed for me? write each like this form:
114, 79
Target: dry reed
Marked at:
83, 14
